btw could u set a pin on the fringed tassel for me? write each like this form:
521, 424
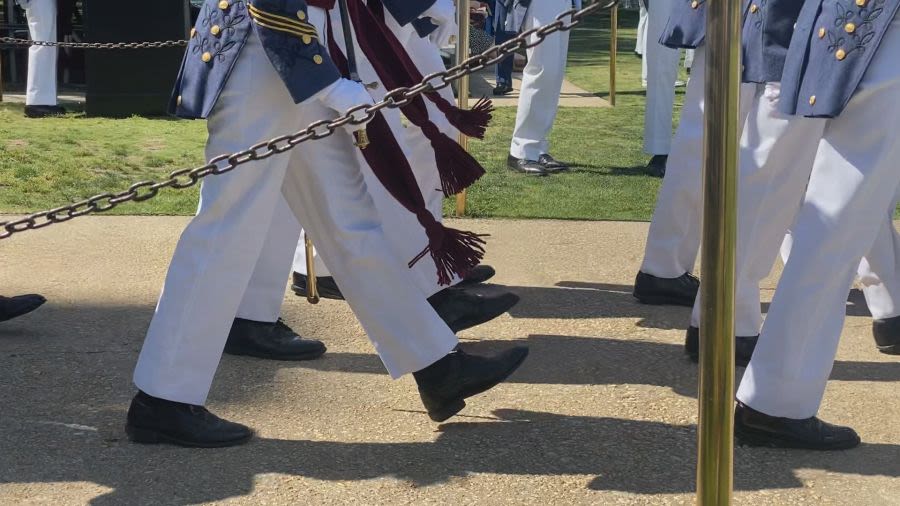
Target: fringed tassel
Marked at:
457, 169
455, 252
472, 122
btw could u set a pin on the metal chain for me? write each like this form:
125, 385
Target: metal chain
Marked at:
94, 45
186, 178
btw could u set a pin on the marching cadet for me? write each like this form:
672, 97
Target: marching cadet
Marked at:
841, 67
660, 76
20, 305
40, 94
257, 70
542, 81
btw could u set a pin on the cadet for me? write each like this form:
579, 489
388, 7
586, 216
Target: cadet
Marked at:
842, 66
40, 94
258, 71
542, 82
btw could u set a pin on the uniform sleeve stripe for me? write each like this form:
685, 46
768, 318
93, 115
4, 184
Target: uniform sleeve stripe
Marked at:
284, 21
286, 30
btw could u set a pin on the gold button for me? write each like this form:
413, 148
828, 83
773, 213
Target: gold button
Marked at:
840, 54
849, 28
822, 32
206, 57
861, 3
193, 32
301, 15
812, 100
754, 8
317, 59
307, 39
215, 30
695, 4
223, 4
178, 101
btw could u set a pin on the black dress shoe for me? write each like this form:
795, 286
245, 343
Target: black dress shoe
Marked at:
273, 341
657, 165
680, 291
44, 111
502, 89
12, 307
325, 285
464, 308
887, 335
752, 428
527, 167
743, 347
446, 384
551, 164
478, 275
153, 421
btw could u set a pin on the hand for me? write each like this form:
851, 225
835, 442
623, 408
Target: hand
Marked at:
441, 12
345, 94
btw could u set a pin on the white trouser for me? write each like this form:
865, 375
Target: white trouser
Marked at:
662, 71
542, 82
854, 179
217, 252
404, 233
640, 46
41, 16
775, 158
674, 237
878, 271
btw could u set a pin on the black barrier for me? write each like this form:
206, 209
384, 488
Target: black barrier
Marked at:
125, 83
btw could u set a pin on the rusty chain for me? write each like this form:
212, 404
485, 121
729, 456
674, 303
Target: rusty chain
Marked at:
186, 178
94, 45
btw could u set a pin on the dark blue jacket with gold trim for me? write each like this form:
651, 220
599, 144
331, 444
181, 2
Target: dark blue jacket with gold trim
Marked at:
686, 27
833, 45
289, 40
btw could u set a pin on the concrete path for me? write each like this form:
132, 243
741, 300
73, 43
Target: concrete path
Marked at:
603, 412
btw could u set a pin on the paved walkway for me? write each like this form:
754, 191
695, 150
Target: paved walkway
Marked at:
603, 412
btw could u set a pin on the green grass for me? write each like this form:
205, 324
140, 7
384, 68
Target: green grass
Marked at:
46, 163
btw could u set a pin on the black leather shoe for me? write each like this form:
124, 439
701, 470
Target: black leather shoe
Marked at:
476, 276
153, 421
272, 341
527, 167
464, 308
551, 164
502, 89
326, 286
680, 291
44, 111
446, 384
743, 347
13, 307
752, 428
657, 165
887, 335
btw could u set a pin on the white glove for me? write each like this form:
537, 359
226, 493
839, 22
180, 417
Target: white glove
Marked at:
443, 14
344, 94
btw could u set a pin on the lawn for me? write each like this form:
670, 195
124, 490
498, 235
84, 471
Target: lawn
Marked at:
45, 163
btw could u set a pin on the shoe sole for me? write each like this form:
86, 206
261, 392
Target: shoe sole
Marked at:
663, 300
454, 406
753, 439
464, 283
893, 349
533, 174
282, 358
153, 437
467, 323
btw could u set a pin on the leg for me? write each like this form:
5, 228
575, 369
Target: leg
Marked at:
41, 91
541, 84
879, 274
662, 70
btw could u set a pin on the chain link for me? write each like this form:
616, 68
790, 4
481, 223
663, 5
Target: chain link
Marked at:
186, 178
94, 45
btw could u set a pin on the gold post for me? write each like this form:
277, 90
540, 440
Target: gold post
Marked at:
312, 289
715, 442
462, 52
613, 51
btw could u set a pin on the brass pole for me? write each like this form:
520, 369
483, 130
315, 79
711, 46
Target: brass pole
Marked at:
462, 52
715, 441
312, 288
613, 51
